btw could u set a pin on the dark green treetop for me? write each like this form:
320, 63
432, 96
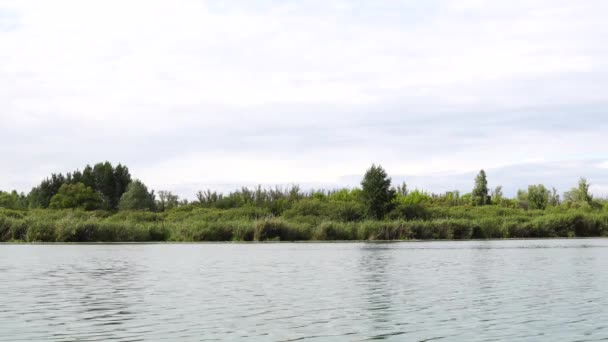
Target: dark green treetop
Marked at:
76, 195
479, 196
137, 197
376, 192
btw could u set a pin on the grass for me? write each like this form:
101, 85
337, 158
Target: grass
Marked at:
307, 222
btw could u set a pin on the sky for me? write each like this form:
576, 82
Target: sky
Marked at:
218, 94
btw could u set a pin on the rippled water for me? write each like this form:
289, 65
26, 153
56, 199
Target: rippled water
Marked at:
549, 290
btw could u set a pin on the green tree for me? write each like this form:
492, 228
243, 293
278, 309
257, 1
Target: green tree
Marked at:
76, 196
497, 195
538, 197
137, 197
167, 201
522, 199
402, 189
40, 196
554, 199
13, 200
376, 192
479, 196
111, 182
579, 194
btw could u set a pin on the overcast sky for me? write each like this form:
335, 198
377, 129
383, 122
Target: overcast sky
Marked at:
197, 94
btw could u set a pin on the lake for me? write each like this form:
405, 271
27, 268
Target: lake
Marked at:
517, 290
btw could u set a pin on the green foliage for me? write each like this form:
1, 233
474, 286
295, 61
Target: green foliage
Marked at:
40, 196
414, 197
376, 192
167, 201
404, 211
111, 182
402, 189
280, 230
247, 224
374, 212
137, 197
579, 195
108, 181
522, 199
538, 197
479, 195
76, 196
497, 196
13, 200
345, 195
334, 210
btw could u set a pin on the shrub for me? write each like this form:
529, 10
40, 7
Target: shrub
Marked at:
40, 231
277, 229
335, 231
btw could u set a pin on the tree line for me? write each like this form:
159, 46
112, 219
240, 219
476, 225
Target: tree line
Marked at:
112, 188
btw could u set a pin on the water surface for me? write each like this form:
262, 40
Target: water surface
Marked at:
523, 290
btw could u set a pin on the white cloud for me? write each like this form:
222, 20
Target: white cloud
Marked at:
298, 91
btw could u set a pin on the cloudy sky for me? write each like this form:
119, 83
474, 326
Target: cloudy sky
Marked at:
197, 94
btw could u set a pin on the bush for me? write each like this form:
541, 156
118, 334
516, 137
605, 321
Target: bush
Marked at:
12, 229
205, 231
384, 230
40, 231
335, 231
277, 229
409, 212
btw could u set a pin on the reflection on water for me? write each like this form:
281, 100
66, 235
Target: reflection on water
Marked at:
529, 290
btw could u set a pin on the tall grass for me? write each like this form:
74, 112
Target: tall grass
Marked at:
306, 220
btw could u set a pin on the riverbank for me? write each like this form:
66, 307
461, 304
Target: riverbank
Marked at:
253, 224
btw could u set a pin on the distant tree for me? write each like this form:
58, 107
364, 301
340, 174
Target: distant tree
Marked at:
137, 197
209, 198
449, 198
13, 200
166, 201
554, 199
376, 192
76, 196
103, 178
497, 195
522, 199
111, 182
579, 194
402, 190
479, 195
40, 196
538, 197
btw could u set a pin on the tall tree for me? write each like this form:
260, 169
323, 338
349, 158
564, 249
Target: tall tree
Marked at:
41, 195
402, 189
103, 178
479, 196
137, 197
497, 195
538, 196
579, 194
110, 182
554, 199
376, 192
166, 201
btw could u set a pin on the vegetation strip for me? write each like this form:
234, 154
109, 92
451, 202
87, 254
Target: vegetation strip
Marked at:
103, 204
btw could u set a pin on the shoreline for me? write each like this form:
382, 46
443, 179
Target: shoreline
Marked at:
94, 243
